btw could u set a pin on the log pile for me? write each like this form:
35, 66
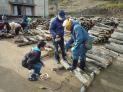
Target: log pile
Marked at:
33, 36
86, 23
23, 40
98, 58
116, 42
6, 35
101, 34
116, 45
100, 28
40, 21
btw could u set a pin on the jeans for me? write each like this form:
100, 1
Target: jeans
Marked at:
37, 67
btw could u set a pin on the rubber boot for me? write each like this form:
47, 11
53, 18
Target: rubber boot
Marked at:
74, 65
82, 65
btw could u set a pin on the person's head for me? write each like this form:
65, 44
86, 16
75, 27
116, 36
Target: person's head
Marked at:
25, 17
41, 45
67, 25
61, 15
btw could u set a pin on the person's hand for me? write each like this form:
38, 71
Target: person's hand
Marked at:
58, 38
72, 49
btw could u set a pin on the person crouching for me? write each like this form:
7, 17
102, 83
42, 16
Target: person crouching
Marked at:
33, 62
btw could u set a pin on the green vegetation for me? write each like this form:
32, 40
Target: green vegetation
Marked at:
112, 6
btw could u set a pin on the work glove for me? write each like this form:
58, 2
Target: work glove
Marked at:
58, 38
72, 49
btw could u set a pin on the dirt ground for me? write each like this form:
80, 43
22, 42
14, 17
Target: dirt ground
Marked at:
13, 77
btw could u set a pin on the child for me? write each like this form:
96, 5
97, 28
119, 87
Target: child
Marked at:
34, 63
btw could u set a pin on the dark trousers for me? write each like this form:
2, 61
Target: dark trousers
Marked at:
56, 47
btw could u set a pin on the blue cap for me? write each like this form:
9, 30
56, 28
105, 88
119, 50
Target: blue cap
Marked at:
61, 13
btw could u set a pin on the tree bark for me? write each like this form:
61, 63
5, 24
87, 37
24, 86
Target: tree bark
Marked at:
115, 47
26, 43
116, 41
99, 59
81, 75
96, 63
117, 35
92, 68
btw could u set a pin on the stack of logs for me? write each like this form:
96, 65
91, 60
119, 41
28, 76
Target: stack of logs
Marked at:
32, 37
116, 44
101, 34
116, 41
6, 35
100, 28
40, 21
98, 59
86, 23
102, 31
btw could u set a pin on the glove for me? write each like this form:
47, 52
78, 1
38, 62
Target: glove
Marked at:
72, 49
58, 38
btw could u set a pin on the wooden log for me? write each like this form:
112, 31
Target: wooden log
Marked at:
117, 48
99, 59
89, 68
113, 54
26, 43
120, 59
25, 39
96, 63
9, 36
116, 41
120, 29
31, 39
65, 64
5, 35
81, 75
117, 35
39, 37
93, 68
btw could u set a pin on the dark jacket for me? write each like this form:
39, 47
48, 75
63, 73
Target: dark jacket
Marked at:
34, 57
56, 27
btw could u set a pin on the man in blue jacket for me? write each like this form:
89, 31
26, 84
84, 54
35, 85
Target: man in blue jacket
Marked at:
57, 32
78, 36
